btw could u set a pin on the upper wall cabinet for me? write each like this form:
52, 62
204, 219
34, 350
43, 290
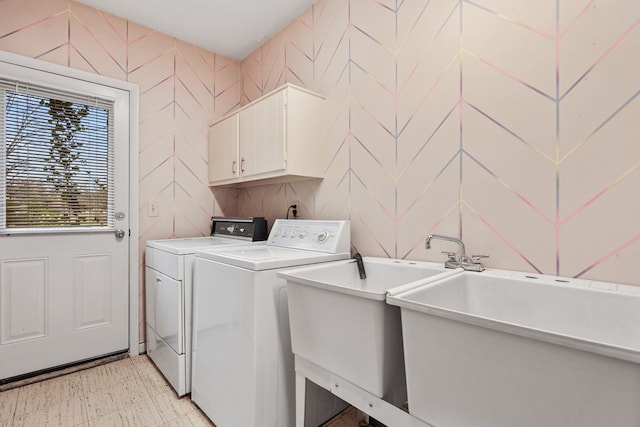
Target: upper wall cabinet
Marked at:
273, 139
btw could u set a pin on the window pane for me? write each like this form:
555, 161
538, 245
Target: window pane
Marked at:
56, 162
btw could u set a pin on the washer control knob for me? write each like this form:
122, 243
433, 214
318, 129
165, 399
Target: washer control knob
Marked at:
302, 235
323, 236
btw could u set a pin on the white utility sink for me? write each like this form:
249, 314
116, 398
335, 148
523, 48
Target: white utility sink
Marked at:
342, 323
505, 348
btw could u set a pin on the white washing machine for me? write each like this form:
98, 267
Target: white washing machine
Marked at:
243, 367
169, 288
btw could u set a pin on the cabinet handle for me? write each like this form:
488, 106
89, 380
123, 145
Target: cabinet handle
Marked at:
242, 165
233, 167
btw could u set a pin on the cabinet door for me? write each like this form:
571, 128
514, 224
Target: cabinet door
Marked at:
164, 307
223, 150
262, 136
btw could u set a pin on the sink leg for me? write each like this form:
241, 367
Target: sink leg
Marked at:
301, 383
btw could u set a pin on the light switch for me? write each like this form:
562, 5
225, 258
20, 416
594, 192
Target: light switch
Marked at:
153, 208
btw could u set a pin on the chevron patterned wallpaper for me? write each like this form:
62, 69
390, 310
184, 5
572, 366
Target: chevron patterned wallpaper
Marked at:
511, 123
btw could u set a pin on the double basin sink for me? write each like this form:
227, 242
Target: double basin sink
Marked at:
492, 348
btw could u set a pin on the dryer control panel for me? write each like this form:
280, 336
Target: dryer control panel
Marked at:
316, 235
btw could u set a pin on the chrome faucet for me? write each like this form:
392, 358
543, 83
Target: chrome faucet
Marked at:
470, 264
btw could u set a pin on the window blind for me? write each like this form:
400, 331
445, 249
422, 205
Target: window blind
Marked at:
56, 159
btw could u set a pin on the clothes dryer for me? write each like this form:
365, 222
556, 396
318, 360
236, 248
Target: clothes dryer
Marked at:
169, 288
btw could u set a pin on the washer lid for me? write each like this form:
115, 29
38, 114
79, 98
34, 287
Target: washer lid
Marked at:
267, 257
190, 245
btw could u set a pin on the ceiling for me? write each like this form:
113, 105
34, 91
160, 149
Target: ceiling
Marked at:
233, 28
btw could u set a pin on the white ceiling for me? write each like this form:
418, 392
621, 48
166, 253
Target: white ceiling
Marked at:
233, 28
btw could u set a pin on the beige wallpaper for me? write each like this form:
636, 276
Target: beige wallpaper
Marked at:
513, 124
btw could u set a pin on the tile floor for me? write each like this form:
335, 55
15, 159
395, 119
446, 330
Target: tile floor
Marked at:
127, 392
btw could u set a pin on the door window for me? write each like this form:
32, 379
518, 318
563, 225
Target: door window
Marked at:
56, 160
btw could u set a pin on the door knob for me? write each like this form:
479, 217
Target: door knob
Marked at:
119, 234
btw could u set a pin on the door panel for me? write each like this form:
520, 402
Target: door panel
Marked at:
60, 303
93, 290
23, 290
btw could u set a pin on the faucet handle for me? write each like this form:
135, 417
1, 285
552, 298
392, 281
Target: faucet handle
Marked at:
476, 258
450, 255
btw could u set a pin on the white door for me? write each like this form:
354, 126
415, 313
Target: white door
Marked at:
64, 290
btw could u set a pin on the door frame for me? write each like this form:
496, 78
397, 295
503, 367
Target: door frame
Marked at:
133, 242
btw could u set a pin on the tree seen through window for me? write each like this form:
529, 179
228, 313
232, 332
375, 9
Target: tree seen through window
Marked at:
56, 163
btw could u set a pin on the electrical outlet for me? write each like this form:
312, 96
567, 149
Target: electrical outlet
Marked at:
153, 208
295, 210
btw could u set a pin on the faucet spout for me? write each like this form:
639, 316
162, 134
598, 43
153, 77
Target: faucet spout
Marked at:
470, 264
463, 253
360, 263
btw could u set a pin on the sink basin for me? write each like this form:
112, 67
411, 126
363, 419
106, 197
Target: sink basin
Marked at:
342, 323
505, 348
